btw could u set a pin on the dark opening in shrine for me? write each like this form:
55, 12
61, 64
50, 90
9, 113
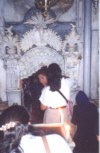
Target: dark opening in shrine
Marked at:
32, 90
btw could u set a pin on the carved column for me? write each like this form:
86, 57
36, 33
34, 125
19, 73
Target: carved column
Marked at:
87, 45
1, 23
72, 55
11, 56
95, 53
1, 15
3, 95
13, 91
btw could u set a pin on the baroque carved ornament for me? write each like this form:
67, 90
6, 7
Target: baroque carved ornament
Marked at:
39, 21
41, 37
47, 45
37, 57
11, 44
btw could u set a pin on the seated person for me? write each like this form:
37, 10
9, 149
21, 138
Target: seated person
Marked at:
17, 135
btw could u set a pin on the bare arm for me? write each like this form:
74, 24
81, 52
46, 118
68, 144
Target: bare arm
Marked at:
43, 107
98, 137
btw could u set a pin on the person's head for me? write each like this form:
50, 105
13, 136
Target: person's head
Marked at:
42, 75
13, 124
81, 97
54, 76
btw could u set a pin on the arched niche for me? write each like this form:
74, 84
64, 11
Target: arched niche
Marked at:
34, 58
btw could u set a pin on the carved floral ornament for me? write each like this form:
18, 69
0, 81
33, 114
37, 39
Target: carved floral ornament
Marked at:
72, 43
48, 44
11, 44
41, 37
39, 21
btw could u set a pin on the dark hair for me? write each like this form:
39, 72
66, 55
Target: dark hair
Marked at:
10, 139
43, 71
54, 77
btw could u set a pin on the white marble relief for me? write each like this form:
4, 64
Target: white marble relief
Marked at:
41, 37
3, 95
47, 43
72, 42
11, 44
72, 47
39, 21
0, 43
71, 51
12, 70
12, 53
37, 57
95, 18
31, 61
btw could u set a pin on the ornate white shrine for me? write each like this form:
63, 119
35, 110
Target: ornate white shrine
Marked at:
48, 48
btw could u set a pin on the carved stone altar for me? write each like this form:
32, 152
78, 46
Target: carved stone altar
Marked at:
40, 45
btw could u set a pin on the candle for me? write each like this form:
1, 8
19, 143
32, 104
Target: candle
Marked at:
61, 114
45, 2
67, 136
67, 128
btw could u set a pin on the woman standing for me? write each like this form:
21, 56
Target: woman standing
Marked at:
85, 116
51, 100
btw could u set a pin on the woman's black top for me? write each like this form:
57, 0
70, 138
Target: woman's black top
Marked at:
85, 117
